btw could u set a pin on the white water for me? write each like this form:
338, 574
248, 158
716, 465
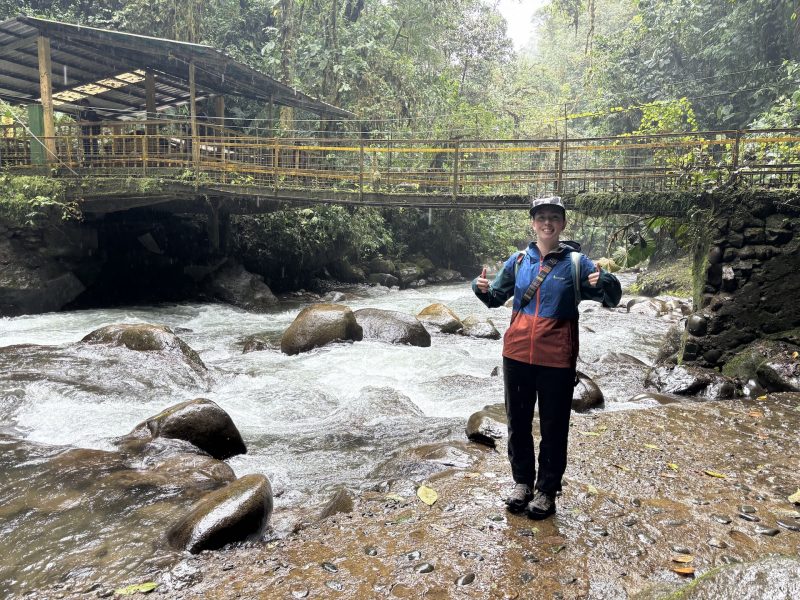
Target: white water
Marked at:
307, 420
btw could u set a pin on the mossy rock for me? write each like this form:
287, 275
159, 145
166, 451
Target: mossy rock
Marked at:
744, 364
674, 279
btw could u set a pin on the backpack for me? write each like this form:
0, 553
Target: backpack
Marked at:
575, 257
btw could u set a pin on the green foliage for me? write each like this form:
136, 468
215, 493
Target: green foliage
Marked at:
26, 201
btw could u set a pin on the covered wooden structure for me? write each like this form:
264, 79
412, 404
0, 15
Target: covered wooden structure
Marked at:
50, 64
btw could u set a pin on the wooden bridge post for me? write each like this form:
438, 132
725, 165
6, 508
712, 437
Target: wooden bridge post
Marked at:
276, 155
46, 92
736, 142
562, 148
455, 172
193, 113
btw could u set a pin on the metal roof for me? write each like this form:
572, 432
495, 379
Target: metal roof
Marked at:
109, 66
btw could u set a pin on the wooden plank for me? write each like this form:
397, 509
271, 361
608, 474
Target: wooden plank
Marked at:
46, 90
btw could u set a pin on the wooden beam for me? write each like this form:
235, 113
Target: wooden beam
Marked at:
219, 109
193, 112
46, 90
150, 94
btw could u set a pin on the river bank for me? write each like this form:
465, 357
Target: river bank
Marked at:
699, 486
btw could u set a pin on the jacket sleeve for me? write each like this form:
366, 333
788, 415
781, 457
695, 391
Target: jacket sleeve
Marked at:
608, 289
502, 288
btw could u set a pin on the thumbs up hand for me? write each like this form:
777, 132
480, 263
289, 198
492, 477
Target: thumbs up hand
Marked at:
594, 277
481, 282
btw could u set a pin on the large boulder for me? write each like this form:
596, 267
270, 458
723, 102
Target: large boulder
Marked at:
692, 381
443, 275
237, 512
392, 326
234, 285
479, 327
384, 279
773, 364
438, 316
486, 427
408, 273
380, 265
200, 422
586, 394
318, 325
145, 337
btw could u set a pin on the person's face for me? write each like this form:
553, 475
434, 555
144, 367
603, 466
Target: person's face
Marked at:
548, 223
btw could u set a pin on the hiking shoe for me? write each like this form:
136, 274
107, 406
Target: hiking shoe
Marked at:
519, 497
542, 506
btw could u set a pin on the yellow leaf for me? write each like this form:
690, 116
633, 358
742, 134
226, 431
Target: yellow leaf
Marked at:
683, 570
589, 433
762, 398
756, 414
652, 447
427, 495
622, 468
136, 588
672, 466
592, 490
715, 474
682, 558
795, 355
795, 497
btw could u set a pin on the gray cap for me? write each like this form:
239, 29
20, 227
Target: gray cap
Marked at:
553, 201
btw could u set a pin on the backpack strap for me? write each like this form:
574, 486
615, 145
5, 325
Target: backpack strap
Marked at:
534, 286
517, 263
576, 275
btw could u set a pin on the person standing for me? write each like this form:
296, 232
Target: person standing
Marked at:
540, 350
90, 130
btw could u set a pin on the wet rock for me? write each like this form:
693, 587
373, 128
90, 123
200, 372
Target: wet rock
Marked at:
299, 592
691, 381
440, 317
586, 394
237, 512
778, 375
424, 568
650, 307
482, 428
371, 551
380, 265
746, 508
318, 325
680, 549
200, 422
749, 517
771, 577
235, 285
257, 343
333, 297
414, 555
442, 275
717, 543
479, 327
789, 525
392, 326
466, 579
696, 325
341, 502
768, 531
329, 567
650, 397
620, 358
471, 555
384, 279
721, 519
146, 338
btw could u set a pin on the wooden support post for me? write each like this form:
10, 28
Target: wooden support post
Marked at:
271, 119
193, 113
361, 170
736, 142
219, 109
46, 91
389, 161
276, 155
149, 146
455, 173
562, 148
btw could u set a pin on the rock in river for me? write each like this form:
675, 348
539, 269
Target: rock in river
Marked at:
318, 325
392, 326
478, 327
440, 317
200, 422
237, 512
482, 428
586, 394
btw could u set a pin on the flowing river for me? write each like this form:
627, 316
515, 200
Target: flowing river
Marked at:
335, 416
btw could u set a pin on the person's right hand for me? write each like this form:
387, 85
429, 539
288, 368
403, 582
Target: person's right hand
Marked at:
481, 282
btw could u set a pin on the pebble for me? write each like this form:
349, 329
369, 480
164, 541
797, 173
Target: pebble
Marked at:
788, 525
497, 518
699, 501
770, 531
471, 554
599, 530
646, 539
228, 566
424, 568
415, 555
466, 579
105, 593
334, 585
636, 502
531, 558
371, 551
299, 592
526, 577
727, 559
674, 522
330, 567
630, 521
747, 509
721, 519
680, 549
749, 517
716, 543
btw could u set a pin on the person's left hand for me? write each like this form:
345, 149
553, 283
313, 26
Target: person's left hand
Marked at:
594, 277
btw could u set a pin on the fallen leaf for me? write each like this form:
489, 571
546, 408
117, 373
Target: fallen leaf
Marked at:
589, 433
652, 447
761, 398
683, 570
136, 588
756, 414
682, 558
715, 474
795, 497
592, 490
795, 355
427, 495
622, 468
673, 466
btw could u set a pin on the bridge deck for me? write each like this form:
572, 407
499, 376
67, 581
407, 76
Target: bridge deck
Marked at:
403, 172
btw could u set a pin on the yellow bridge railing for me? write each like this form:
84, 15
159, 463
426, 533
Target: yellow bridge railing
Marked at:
452, 168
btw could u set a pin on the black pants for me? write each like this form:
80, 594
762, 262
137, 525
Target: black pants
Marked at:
552, 387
